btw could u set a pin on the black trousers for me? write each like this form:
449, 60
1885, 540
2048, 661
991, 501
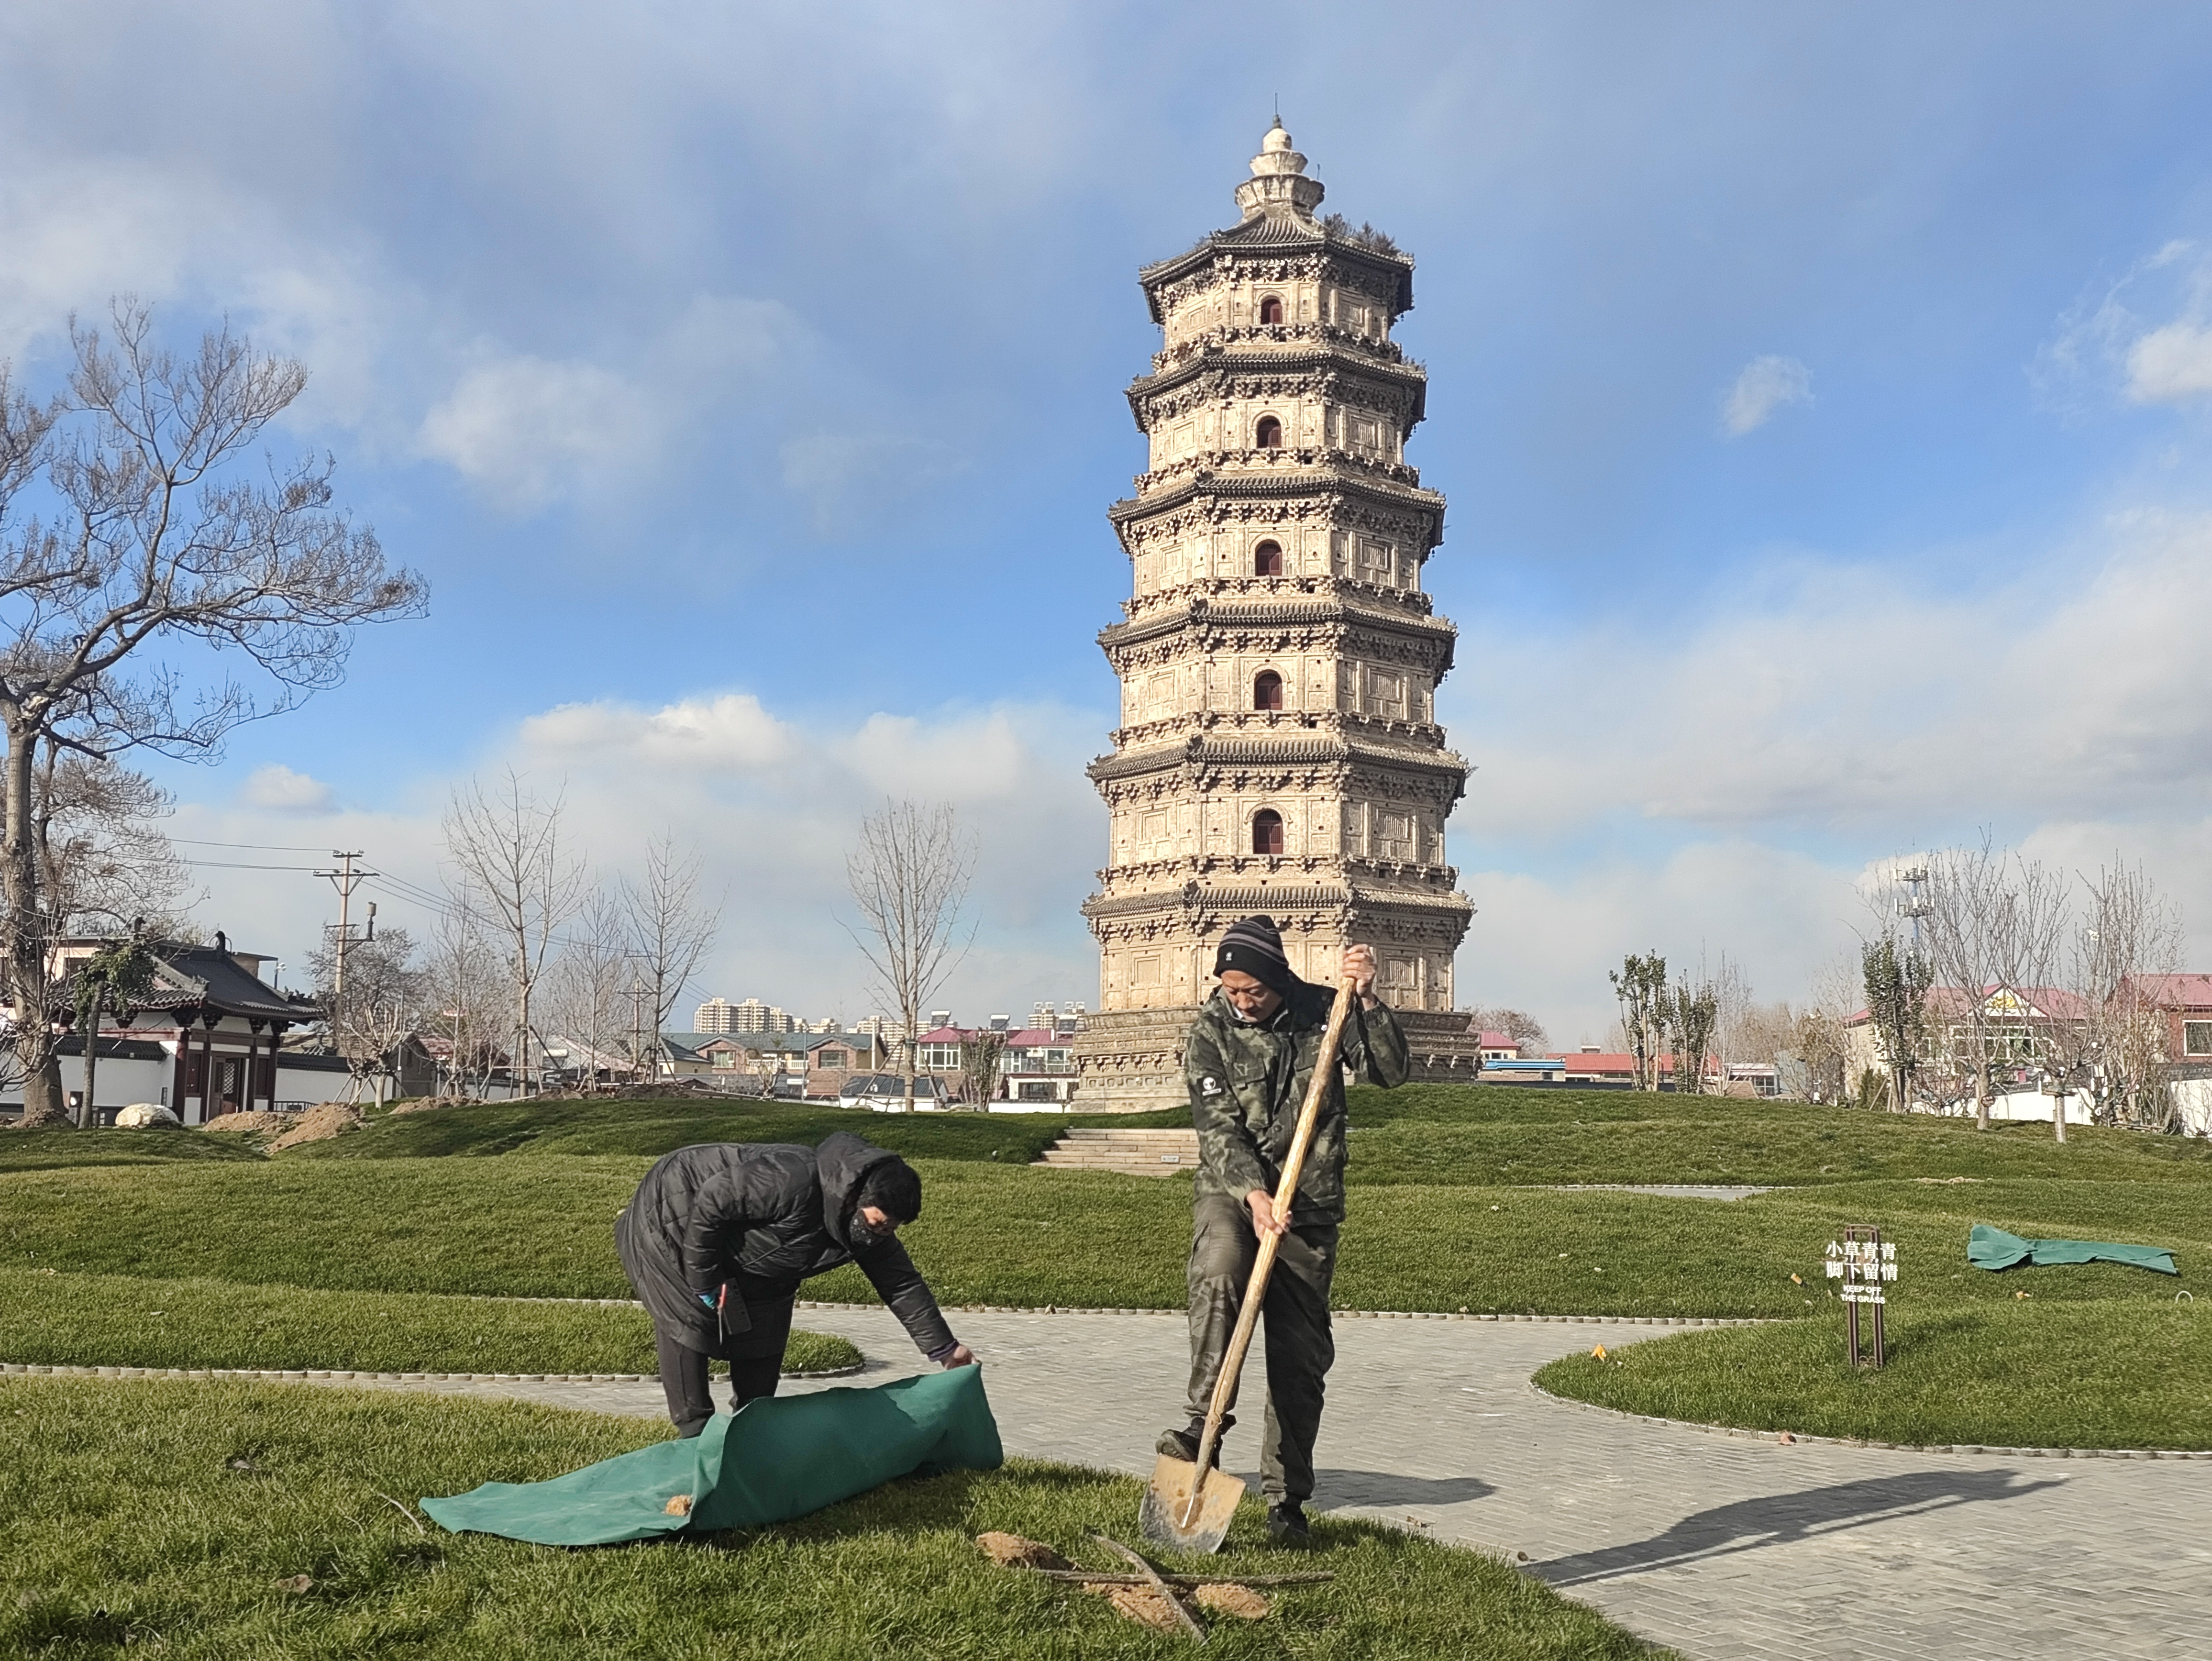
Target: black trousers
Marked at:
1294, 1320
756, 1358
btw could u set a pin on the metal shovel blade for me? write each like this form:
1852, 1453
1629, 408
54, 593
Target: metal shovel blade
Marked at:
1167, 1503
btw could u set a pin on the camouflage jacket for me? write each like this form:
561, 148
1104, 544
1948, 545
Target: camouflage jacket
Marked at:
1248, 1082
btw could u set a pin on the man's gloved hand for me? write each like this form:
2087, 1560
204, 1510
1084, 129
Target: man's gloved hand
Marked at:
715, 1298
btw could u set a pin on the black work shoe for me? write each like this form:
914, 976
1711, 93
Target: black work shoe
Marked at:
1184, 1444
1287, 1522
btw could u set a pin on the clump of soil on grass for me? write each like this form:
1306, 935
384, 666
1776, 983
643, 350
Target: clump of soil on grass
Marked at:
431, 1103
255, 1123
1241, 1602
1011, 1551
1145, 1605
319, 1124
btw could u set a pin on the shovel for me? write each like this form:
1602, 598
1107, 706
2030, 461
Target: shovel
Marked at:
1189, 1505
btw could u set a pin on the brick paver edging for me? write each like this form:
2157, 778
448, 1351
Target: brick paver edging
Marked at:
1798, 1436
294, 1374
1347, 1315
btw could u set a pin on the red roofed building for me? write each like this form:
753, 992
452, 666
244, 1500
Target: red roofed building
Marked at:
2187, 1002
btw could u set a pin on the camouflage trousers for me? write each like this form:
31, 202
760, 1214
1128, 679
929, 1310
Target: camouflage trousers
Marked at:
1294, 1320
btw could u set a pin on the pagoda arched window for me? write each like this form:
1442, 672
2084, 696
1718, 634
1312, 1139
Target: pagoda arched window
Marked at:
1268, 559
1267, 690
1271, 310
1268, 436
1267, 831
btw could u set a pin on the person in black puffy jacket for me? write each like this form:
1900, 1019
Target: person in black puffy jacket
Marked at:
718, 1236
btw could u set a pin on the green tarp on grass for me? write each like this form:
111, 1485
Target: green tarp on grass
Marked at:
773, 1460
1992, 1248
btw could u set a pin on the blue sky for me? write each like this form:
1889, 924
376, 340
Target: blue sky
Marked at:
1820, 395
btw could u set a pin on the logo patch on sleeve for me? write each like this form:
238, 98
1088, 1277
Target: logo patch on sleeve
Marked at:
1209, 1085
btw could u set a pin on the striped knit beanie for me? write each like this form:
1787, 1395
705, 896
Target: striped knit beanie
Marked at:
1253, 946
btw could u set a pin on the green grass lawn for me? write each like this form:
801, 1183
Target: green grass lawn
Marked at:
115, 1320
2043, 1373
55, 1150
532, 1227
167, 1518
520, 1200
653, 1128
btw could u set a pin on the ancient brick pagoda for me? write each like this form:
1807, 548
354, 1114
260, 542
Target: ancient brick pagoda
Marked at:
1278, 750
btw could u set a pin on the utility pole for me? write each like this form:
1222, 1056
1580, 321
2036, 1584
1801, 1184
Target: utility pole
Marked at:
1915, 908
639, 992
345, 879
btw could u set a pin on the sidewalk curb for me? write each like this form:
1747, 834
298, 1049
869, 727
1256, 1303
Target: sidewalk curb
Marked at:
296, 1375
1356, 1315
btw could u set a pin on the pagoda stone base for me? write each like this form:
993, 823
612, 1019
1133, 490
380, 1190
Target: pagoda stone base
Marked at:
1130, 1060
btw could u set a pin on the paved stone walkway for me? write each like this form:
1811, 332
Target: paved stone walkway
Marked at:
1723, 1547
1664, 1190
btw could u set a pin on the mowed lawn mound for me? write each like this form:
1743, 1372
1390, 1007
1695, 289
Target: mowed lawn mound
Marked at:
209, 1522
650, 1128
1428, 1228
112, 1320
2117, 1372
1432, 1227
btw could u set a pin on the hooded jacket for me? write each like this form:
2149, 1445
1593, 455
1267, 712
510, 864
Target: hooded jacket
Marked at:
1247, 1084
762, 1217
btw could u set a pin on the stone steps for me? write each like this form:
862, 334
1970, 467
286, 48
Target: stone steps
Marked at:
1147, 1153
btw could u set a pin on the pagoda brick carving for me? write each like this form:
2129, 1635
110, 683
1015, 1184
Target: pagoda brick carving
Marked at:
1278, 748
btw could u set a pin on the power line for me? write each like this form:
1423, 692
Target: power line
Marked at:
258, 847
234, 865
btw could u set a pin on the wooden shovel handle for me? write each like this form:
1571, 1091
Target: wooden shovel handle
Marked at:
1256, 1289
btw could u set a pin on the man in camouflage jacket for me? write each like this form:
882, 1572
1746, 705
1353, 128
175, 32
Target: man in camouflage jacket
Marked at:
1248, 1059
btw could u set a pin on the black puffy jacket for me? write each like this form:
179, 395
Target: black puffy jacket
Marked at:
762, 1217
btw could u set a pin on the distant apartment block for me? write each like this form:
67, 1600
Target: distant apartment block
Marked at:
720, 1015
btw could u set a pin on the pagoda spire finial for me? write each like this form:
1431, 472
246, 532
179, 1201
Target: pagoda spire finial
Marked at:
1279, 186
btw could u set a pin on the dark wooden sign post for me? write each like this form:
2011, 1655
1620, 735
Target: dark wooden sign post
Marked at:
1867, 1265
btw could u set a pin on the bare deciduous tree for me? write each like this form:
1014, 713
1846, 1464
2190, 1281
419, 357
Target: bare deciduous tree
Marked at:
104, 864
507, 849
2115, 1052
589, 982
380, 1006
671, 927
908, 876
465, 996
1517, 1025
980, 1052
161, 555
1991, 924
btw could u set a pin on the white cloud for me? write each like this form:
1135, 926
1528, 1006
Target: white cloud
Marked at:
2171, 364
1766, 385
729, 734
530, 431
772, 803
2068, 681
278, 788
2110, 340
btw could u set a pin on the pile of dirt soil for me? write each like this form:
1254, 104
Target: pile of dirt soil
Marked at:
252, 1124
431, 1103
319, 1124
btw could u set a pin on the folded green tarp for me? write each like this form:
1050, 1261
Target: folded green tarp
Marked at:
776, 1458
1992, 1248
